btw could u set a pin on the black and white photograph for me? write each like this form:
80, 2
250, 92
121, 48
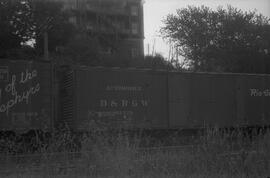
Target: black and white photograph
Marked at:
134, 88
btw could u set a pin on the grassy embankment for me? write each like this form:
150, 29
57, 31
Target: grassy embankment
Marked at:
216, 156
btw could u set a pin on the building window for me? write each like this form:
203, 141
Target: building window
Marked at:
135, 28
73, 20
69, 5
134, 10
106, 51
134, 52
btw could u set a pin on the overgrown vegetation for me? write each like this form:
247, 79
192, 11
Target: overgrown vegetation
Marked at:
23, 24
221, 40
217, 155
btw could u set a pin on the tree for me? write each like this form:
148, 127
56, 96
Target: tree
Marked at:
226, 40
26, 21
156, 61
15, 24
49, 17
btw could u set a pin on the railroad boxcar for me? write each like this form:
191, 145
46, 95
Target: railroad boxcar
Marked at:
199, 100
26, 101
132, 98
113, 98
84, 98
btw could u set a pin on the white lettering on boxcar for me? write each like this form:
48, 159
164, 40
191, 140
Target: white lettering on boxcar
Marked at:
26, 76
259, 93
15, 96
100, 114
123, 88
123, 103
27, 118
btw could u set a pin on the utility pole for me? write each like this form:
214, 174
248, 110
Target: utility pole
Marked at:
265, 65
148, 49
46, 48
46, 26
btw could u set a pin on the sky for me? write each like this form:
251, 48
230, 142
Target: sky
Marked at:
156, 10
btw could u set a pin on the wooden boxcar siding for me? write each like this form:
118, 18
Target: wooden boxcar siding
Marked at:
253, 99
120, 99
129, 98
222, 100
25, 95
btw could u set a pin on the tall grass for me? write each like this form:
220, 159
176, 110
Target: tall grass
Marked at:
216, 155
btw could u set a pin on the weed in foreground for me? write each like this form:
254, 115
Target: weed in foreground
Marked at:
218, 155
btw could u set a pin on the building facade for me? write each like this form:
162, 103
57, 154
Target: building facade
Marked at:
117, 24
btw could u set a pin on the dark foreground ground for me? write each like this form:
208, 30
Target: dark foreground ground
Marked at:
213, 155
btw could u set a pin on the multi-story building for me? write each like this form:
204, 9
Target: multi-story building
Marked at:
118, 24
